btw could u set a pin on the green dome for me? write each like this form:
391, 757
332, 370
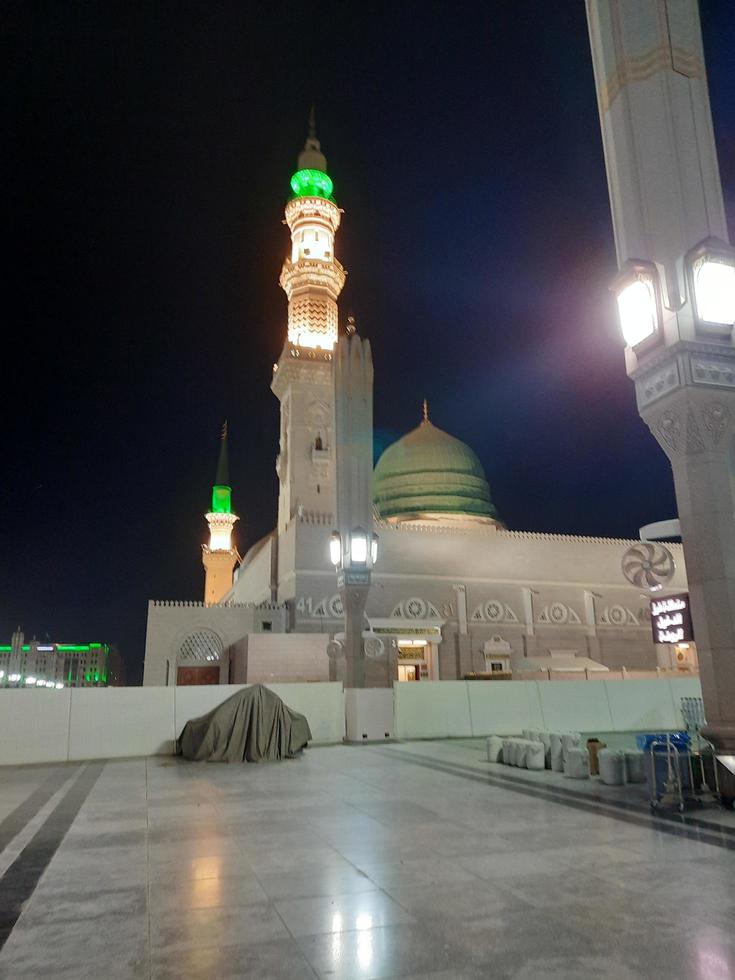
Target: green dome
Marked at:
430, 475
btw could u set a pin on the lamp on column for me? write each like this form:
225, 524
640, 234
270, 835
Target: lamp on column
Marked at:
638, 292
356, 554
711, 275
335, 549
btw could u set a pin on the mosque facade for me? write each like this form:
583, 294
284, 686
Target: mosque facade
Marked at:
454, 592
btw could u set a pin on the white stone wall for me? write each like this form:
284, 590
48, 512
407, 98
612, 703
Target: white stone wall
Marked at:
253, 578
287, 657
497, 570
170, 623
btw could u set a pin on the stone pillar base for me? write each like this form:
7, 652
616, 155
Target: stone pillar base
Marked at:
722, 737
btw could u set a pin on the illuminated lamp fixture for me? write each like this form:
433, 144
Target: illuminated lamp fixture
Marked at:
30, 680
312, 183
711, 274
2, 674
59, 685
335, 548
638, 293
358, 547
374, 550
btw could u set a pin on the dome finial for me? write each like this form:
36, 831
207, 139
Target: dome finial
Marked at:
311, 157
425, 411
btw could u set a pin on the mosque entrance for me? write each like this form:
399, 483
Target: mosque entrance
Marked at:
197, 675
413, 660
198, 658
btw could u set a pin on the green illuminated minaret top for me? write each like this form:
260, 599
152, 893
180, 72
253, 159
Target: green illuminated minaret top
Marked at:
221, 491
311, 179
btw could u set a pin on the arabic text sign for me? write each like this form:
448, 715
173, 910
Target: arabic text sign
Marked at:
671, 619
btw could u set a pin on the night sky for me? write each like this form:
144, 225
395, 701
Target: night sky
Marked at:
150, 148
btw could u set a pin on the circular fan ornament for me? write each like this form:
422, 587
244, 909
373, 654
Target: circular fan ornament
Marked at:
335, 607
335, 650
648, 565
374, 647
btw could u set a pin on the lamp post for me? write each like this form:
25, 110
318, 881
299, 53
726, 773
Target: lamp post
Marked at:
676, 296
353, 546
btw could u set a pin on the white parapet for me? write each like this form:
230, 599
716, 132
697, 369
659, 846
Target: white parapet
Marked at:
369, 714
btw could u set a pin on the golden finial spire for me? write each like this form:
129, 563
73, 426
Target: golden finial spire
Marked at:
426, 411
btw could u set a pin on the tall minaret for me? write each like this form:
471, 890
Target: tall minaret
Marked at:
219, 556
312, 279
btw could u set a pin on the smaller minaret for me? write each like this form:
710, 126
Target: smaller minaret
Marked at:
219, 556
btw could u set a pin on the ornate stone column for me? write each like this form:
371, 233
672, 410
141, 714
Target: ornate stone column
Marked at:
670, 234
695, 426
353, 424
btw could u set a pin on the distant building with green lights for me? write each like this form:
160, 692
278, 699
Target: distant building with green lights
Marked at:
58, 665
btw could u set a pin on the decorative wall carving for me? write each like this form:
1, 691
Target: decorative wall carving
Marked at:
717, 417
374, 647
415, 608
558, 614
618, 616
706, 371
658, 383
667, 430
695, 443
494, 611
704, 426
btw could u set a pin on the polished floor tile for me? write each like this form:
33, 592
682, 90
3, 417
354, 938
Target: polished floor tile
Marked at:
340, 913
280, 959
362, 862
392, 951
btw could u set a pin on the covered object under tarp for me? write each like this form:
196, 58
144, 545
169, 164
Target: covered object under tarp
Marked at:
253, 725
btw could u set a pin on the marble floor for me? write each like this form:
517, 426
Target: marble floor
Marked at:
403, 860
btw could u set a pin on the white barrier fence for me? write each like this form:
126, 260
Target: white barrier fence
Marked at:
107, 723
117, 722
452, 709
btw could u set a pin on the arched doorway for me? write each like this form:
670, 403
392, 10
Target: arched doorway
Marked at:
198, 658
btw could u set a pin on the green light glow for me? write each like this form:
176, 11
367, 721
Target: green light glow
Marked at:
312, 183
221, 500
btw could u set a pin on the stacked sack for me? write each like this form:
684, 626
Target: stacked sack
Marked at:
537, 749
520, 752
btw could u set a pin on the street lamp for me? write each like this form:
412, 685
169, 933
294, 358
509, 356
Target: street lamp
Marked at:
356, 553
637, 290
711, 276
335, 549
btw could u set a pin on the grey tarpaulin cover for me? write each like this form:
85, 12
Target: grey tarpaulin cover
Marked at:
253, 725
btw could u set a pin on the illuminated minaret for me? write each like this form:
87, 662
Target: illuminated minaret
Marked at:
312, 279
219, 556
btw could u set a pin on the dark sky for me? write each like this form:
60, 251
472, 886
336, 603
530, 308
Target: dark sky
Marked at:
150, 147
